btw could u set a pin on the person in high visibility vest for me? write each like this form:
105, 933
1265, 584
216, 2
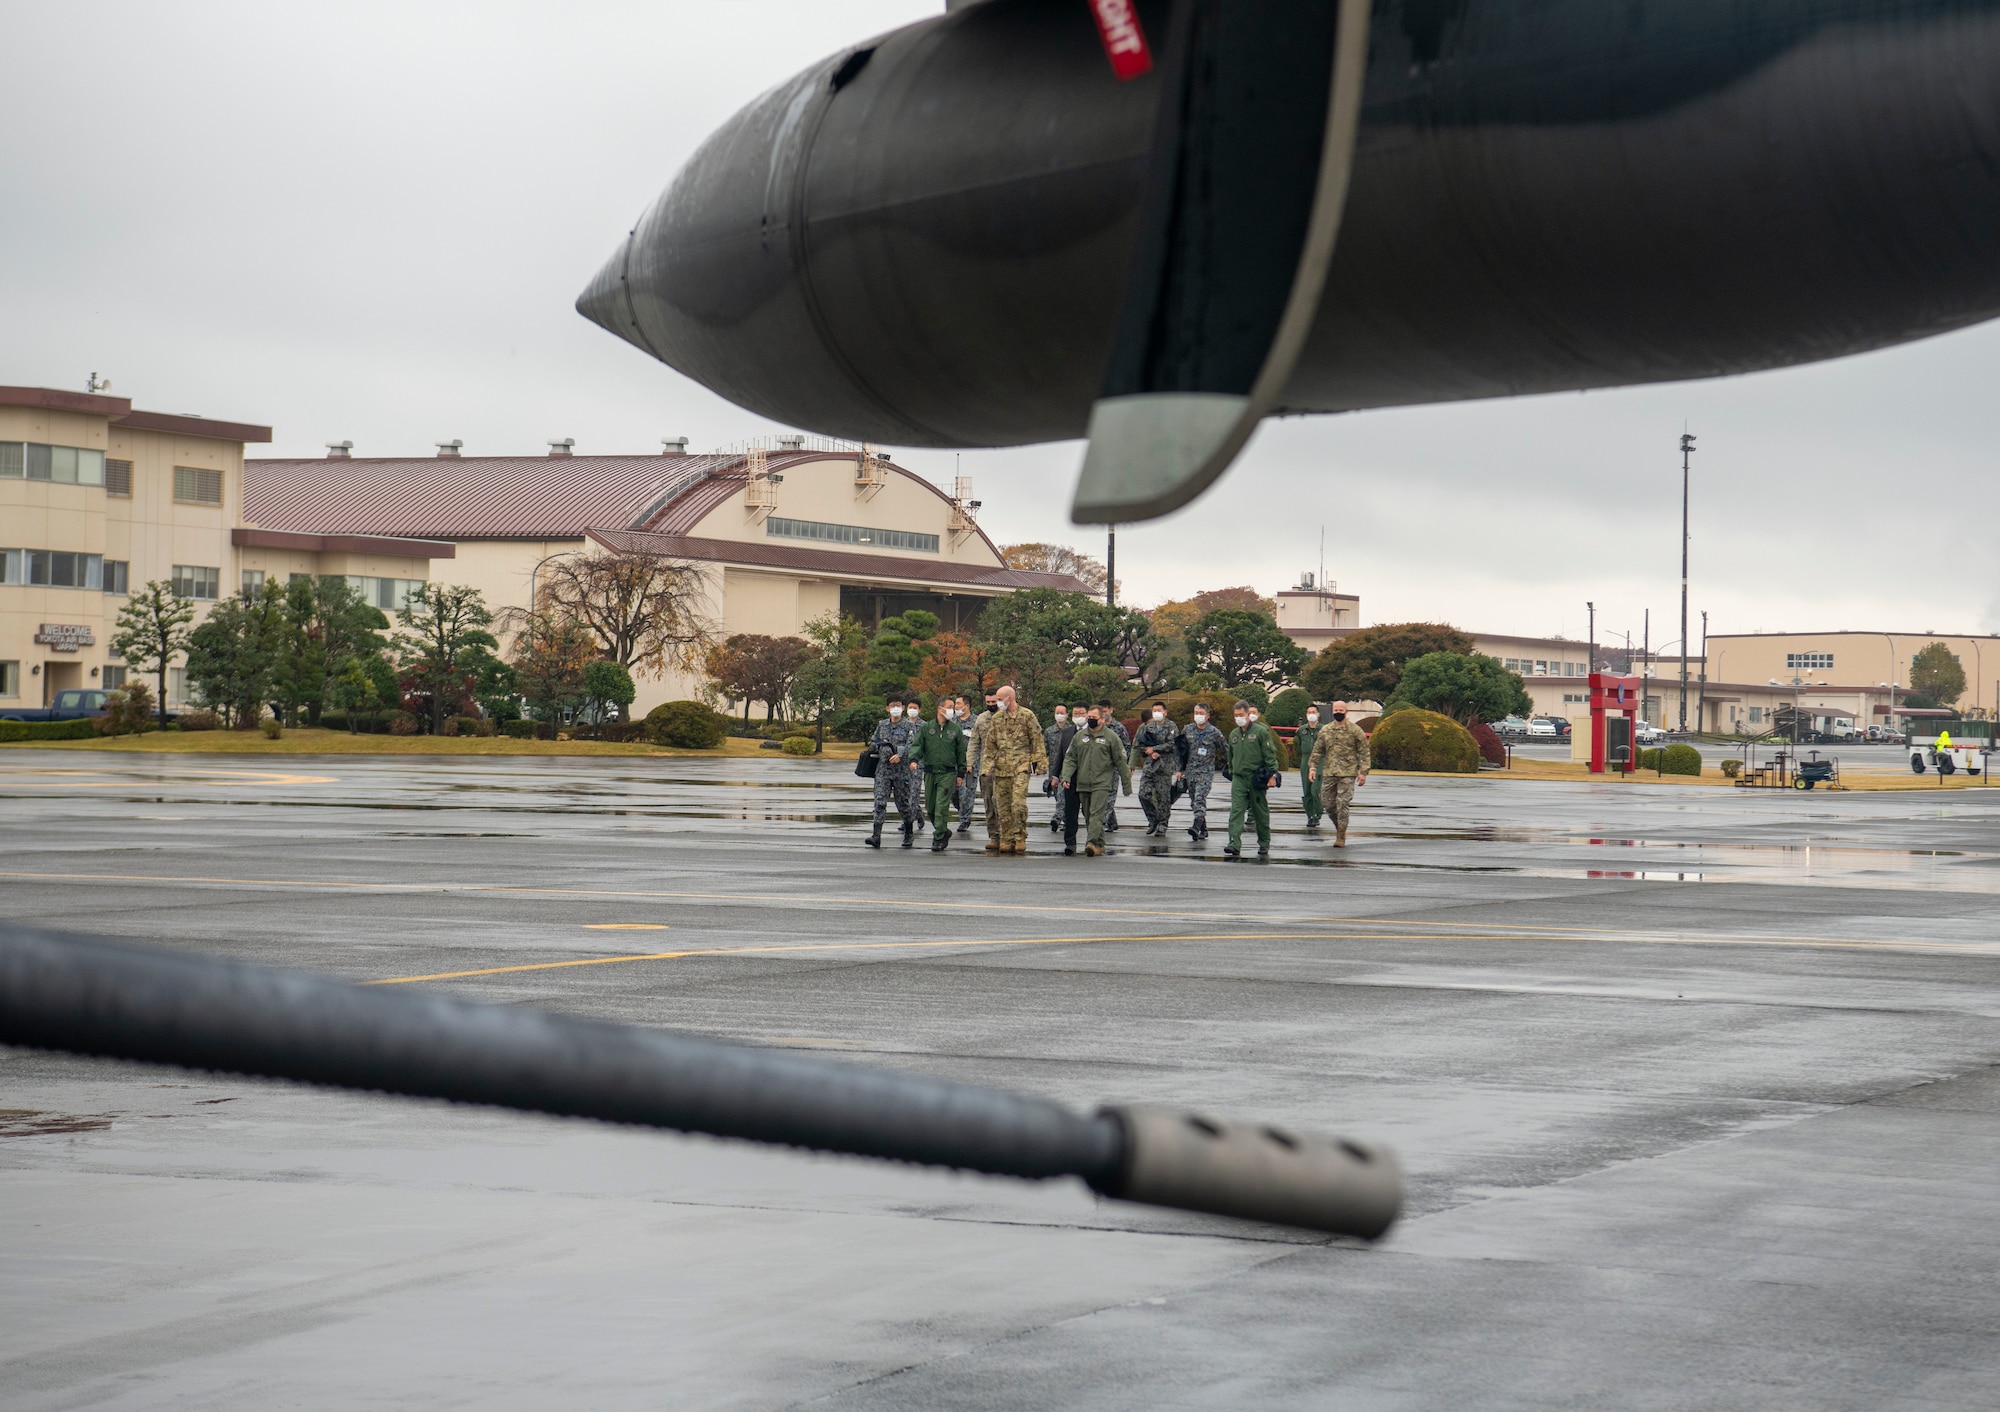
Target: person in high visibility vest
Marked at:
1943, 741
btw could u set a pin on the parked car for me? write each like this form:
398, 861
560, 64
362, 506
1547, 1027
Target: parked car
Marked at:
70, 706
1558, 724
1646, 733
1883, 735
1511, 728
1542, 728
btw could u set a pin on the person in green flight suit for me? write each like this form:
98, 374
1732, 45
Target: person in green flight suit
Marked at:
1253, 771
1302, 749
939, 751
1094, 766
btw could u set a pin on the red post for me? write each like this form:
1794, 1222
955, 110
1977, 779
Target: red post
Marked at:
1610, 695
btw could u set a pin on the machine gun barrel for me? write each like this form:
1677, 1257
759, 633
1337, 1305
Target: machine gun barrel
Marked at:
87, 995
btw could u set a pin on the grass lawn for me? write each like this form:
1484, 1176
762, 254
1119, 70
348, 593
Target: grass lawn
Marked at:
306, 741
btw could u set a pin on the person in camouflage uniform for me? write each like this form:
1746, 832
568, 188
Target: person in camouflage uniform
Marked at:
1339, 763
1154, 747
1302, 749
1013, 752
977, 783
1203, 748
893, 777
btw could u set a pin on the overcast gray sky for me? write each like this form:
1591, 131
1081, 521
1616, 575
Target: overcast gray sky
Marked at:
369, 221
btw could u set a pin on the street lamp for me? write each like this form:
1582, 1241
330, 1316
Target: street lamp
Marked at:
1687, 450
535, 574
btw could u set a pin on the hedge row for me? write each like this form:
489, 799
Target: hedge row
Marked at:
47, 730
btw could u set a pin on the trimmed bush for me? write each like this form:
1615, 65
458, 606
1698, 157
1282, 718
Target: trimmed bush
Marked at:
1680, 760
273, 728
462, 725
800, 745
200, 719
857, 722
1288, 707
48, 730
686, 725
1491, 749
520, 730
402, 723
1731, 769
626, 731
1425, 741
1649, 758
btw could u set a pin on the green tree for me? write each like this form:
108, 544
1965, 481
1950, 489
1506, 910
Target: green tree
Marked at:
1935, 673
1466, 687
328, 624
897, 651
1240, 646
232, 658
443, 646
830, 676
355, 691
1084, 630
607, 684
1366, 665
551, 653
152, 630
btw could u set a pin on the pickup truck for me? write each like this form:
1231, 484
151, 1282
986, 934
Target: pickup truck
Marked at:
70, 706
1646, 733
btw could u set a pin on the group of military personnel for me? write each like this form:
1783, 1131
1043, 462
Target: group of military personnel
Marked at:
960, 759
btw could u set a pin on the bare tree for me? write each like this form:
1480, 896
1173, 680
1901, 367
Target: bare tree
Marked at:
649, 613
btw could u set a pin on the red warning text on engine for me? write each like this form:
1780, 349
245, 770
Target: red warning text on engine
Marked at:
1124, 41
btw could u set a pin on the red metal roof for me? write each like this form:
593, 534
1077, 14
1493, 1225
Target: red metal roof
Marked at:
838, 563
503, 497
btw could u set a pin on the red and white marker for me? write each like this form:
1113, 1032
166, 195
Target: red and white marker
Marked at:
1124, 41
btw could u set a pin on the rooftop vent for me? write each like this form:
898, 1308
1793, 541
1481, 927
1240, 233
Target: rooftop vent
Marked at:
450, 449
339, 450
673, 446
791, 443
563, 447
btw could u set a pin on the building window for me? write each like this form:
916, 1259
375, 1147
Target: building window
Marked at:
1809, 661
63, 465
117, 477
387, 594
253, 582
10, 678
193, 485
114, 678
1756, 715
51, 568
177, 686
824, 533
1571, 698
116, 573
196, 581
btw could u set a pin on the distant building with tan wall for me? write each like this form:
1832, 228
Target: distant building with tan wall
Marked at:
97, 500
779, 536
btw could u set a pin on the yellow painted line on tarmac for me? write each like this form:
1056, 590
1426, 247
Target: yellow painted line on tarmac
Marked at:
1440, 930
817, 947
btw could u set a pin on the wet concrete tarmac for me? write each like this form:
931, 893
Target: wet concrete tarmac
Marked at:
1697, 1090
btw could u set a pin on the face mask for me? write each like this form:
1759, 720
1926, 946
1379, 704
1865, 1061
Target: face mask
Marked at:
1006, 705
1159, 715
949, 714
1242, 721
1253, 714
1092, 723
1201, 718
894, 712
1312, 718
1340, 715
1062, 718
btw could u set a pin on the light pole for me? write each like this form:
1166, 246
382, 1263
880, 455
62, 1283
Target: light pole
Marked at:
535, 575
1111, 566
1687, 450
1591, 609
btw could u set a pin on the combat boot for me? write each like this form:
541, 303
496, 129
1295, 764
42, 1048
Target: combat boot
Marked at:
1340, 838
1093, 850
909, 835
939, 843
1232, 853
874, 840
992, 845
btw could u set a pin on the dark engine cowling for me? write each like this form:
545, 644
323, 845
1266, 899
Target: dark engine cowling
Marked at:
925, 241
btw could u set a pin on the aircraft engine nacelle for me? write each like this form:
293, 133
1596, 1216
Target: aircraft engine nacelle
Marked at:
970, 232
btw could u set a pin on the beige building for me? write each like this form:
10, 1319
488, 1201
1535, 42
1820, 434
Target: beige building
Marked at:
1314, 615
780, 535
1862, 662
97, 500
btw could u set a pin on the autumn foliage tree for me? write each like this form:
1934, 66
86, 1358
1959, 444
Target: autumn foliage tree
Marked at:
1057, 559
752, 666
958, 663
551, 654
